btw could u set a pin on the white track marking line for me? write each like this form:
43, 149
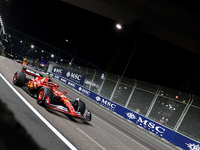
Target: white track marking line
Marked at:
40, 116
122, 133
91, 139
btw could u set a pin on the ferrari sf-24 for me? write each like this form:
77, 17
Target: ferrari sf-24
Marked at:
48, 95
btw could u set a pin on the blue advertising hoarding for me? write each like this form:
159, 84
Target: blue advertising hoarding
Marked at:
152, 126
74, 76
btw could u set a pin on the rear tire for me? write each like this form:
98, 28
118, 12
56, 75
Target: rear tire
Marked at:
45, 96
19, 78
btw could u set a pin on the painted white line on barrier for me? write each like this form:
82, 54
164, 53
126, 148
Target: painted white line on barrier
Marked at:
91, 139
72, 147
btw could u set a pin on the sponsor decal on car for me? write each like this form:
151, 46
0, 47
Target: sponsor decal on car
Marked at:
31, 72
59, 107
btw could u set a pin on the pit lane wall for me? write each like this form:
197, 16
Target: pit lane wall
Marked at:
161, 130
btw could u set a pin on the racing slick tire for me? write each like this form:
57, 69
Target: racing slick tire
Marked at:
19, 78
45, 96
81, 107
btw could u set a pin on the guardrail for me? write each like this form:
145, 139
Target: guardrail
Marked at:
144, 118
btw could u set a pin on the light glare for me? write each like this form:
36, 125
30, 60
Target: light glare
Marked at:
118, 26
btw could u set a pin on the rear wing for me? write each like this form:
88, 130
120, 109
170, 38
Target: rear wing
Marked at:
31, 72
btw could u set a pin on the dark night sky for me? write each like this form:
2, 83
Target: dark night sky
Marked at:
100, 43
92, 34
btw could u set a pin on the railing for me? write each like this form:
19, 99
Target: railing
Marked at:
177, 110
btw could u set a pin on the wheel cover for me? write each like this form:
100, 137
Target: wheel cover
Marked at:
41, 95
47, 100
15, 77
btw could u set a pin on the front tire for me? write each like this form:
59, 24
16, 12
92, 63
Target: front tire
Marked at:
81, 107
19, 79
45, 96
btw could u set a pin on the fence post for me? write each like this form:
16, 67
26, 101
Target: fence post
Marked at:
50, 67
111, 97
153, 102
92, 79
101, 85
129, 98
183, 115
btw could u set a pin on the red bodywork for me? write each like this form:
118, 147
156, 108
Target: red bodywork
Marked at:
38, 82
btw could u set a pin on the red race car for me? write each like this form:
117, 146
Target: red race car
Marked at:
48, 95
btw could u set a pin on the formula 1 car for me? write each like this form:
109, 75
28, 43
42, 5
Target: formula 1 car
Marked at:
48, 95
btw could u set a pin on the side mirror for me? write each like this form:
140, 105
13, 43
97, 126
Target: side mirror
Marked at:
65, 92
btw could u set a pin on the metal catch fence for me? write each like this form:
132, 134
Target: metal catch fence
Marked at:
175, 109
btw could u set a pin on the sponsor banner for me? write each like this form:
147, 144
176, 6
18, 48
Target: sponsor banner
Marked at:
57, 70
146, 123
192, 146
185, 143
71, 84
57, 77
83, 90
103, 101
51, 74
76, 77
63, 80
154, 127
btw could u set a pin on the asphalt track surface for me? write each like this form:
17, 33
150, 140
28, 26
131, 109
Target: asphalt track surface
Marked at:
106, 131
